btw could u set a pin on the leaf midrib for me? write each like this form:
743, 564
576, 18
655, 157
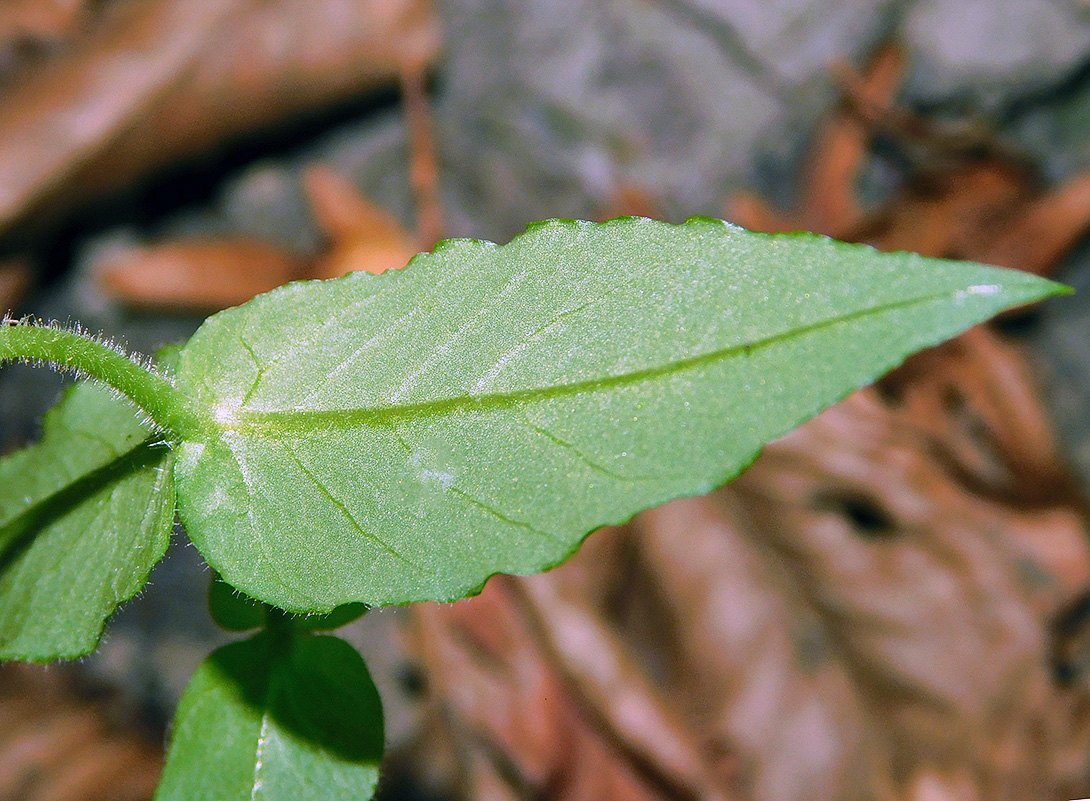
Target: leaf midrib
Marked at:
271, 422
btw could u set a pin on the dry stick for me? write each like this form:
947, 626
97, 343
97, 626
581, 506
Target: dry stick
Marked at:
828, 203
829, 199
423, 161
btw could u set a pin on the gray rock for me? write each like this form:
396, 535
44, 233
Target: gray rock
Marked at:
791, 43
1056, 130
548, 106
267, 203
983, 54
1062, 342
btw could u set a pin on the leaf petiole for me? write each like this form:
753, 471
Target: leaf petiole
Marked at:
68, 350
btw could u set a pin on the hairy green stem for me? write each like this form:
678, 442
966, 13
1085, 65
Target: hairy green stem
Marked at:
168, 407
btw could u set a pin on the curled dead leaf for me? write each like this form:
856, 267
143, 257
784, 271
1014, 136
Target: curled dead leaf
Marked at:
196, 275
362, 235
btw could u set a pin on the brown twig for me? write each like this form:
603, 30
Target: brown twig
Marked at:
423, 158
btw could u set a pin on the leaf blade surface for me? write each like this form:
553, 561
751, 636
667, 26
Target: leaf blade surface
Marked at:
297, 725
395, 438
84, 515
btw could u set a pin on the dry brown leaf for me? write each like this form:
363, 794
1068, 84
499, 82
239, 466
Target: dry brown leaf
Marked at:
55, 745
195, 275
517, 728
951, 215
1046, 230
930, 592
976, 397
755, 213
61, 118
31, 29
629, 199
166, 79
40, 19
210, 275
363, 236
616, 694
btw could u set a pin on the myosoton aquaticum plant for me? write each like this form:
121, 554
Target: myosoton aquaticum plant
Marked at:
384, 439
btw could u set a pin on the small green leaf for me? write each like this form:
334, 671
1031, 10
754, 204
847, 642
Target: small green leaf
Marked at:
341, 616
258, 723
401, 437
84, 515
236, 611
233, 610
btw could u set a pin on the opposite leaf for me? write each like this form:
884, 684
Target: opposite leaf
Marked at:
84, 516
231, 610
401, 437
258, 724
237, 612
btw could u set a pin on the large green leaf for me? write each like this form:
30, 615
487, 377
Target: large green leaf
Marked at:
259, 724
84, 516
401, 437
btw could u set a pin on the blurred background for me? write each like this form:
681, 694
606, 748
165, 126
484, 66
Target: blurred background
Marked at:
893, 603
